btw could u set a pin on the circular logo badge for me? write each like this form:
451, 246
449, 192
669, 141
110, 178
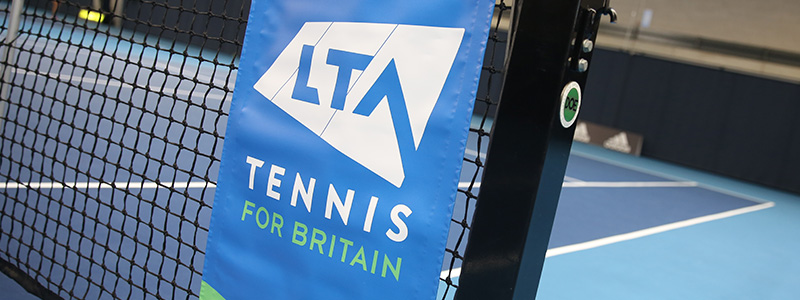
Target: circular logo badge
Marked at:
570, 104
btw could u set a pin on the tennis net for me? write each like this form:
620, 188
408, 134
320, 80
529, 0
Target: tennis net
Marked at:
114, 119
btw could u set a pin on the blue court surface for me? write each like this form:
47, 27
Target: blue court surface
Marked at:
626, 227
635, 228
720, 239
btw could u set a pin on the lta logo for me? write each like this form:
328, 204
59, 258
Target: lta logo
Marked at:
366, 89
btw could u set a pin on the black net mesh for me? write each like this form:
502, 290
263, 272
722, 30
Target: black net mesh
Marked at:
488, 95
111, 143
114, 120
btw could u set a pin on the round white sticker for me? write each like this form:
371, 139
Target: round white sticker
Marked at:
570, 104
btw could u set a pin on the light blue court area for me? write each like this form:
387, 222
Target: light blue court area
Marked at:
635, 228
740, 252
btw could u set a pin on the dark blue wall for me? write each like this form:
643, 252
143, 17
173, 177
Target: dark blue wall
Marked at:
712, 119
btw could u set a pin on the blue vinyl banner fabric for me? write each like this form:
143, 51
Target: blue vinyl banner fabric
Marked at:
343, 149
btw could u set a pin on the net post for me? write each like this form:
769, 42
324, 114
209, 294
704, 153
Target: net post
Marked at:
8, 53
529, 149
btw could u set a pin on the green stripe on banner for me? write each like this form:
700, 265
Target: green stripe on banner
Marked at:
209, 293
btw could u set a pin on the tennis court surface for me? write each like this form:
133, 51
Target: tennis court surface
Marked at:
110, 151
622, 217
111, 147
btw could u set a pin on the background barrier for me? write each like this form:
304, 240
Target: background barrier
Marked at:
716, 120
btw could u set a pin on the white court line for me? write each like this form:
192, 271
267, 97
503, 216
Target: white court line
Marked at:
455, 273
475, 153
654, 230
608, 184
667, 176
145, 61
118, 83
104, 185
637, 234
629, 184
69, 77
465, 184
156, 64
612, 162
572, 179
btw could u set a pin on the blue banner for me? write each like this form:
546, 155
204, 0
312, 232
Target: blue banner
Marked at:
343, 149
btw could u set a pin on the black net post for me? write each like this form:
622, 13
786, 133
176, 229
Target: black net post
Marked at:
529, 148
